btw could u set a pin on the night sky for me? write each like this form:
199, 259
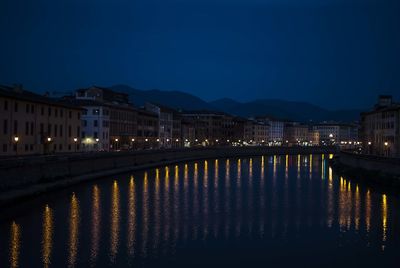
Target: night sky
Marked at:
334, 53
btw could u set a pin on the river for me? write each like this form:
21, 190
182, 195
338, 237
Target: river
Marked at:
288, 210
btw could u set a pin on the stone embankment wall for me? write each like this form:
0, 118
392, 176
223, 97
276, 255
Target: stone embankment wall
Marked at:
21, 172
374, 165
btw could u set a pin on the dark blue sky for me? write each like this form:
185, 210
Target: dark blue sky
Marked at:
334, 53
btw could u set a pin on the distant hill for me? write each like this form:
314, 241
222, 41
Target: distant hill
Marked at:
299, 111
173, 99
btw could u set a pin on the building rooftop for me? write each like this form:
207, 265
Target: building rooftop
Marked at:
18, 93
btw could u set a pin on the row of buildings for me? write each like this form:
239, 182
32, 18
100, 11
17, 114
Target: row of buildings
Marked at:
99, 119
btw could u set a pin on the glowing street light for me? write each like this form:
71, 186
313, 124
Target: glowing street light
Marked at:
133, 140
158, 140
116, 140
146, 139
369, 143
16, 139
97, 139
75, 139
386, 143
48, 139
177, 140
167, 140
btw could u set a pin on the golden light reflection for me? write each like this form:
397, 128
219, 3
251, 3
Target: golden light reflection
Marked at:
345, 204
73, 230
251, 168
176, 204
145, 213
132, 216
311, 165
166, 205
47, 236
286, 166
274, 166
357, 205
262, 201
216, 196
15, 244
330, 198
157, 212
330, 156
227, 195
384, 220
323, 167
368, 211
96, 224
205, 200
186, 199
115, 221
298, 165
239, 169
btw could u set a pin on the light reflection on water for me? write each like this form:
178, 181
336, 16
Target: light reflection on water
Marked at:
152, 216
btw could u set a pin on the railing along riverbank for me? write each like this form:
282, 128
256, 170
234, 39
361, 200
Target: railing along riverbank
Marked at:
18, 176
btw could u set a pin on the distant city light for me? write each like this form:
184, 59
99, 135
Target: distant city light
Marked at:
16, 139
48, 139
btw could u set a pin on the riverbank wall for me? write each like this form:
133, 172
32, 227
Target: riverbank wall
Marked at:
376, 169
23, 177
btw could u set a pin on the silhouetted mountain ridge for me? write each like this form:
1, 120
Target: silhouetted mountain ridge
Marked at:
293, 110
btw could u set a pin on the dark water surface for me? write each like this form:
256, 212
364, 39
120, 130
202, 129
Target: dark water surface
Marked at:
271, 211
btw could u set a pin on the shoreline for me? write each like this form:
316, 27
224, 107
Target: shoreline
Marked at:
143, 161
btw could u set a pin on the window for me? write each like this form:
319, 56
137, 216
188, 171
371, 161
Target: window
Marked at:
41, 128
5, 126
4, 148
5, 107
42, 110
32, 109
15, 127
26, 147
70, 114
69, 131
49, 130
55, 112
61, 112
49, 111
16, 107
78, 131
60, 147
31, 147
27, 108
84, 123
31, 128
96, 111
61, 130
26, 128
95, 135
95, 123
79, 115
55, 130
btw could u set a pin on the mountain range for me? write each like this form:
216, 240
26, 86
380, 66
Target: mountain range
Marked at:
290, 110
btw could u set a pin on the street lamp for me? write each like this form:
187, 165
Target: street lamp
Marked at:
75, 141
386, 143
48, 139
16, 139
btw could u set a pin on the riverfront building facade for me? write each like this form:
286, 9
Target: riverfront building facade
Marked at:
380, 128
35, 124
